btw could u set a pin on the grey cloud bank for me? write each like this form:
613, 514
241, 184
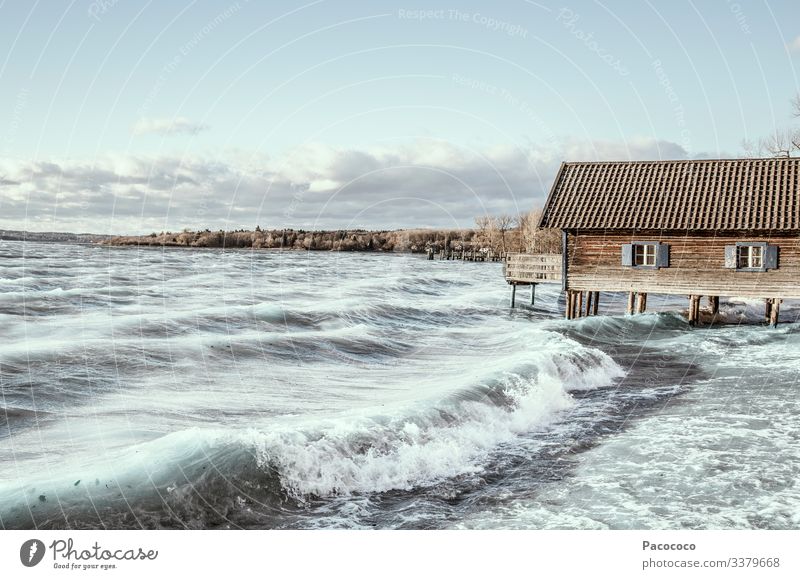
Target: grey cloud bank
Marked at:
424, 183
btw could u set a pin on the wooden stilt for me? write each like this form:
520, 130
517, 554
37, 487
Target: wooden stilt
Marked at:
533, 293
693, 310
775, 312
631, 299
589, 297
641, 302
513, 294
713, 303
595, 303
690, 312
579, 305
768, 311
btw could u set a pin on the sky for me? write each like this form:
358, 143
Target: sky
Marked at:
122, 116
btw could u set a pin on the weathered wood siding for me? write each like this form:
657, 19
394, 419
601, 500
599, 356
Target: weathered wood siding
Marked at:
697, 265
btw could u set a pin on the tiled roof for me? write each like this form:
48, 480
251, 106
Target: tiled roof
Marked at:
721, 195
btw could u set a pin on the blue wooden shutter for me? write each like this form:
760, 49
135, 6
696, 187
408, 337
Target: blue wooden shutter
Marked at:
730, 256
627, 254
662, 255
771, 257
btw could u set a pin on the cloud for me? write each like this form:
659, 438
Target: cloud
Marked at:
794, 45
164, 127
426, 182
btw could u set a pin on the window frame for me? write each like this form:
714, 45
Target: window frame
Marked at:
645, 244
762, 245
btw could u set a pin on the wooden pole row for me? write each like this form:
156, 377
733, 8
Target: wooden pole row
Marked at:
637, 303
577, 307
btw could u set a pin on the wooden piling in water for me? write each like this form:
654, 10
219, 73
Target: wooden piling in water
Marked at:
589, 299
713, 303
631, 299
641, 302
533, 293
774, 312
694, 310
513, 294
595, 303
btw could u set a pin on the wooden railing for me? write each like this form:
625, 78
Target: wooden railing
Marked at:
532, 267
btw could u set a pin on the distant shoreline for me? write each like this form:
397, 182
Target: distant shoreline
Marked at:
51, 236
491, 236
359, 240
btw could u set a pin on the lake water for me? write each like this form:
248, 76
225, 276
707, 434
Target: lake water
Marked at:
148, 388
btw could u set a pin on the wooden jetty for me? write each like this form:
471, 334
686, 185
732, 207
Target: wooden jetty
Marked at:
699, 228
465, 254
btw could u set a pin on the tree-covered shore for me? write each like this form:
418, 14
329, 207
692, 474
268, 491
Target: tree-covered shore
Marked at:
496, 234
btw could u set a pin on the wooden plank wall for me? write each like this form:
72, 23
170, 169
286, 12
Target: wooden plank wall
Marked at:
696, 265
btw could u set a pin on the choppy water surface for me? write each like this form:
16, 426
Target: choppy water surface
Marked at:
206, 389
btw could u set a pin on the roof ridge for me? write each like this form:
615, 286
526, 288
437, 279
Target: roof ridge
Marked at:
719, 160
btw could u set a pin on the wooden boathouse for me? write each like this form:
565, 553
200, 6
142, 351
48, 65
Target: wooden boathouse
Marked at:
699, 228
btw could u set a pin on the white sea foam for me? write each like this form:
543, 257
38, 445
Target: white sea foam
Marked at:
413, 446
382, 454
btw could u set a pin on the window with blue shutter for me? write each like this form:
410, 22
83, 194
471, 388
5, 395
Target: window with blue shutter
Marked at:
751, 256
662, 257
771, 257
627, 255
645, 255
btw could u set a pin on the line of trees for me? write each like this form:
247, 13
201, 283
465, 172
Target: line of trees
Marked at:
491, 233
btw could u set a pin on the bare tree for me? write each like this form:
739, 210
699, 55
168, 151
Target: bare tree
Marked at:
528, 228
503, 224
523, 226
484, 230
781, 143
